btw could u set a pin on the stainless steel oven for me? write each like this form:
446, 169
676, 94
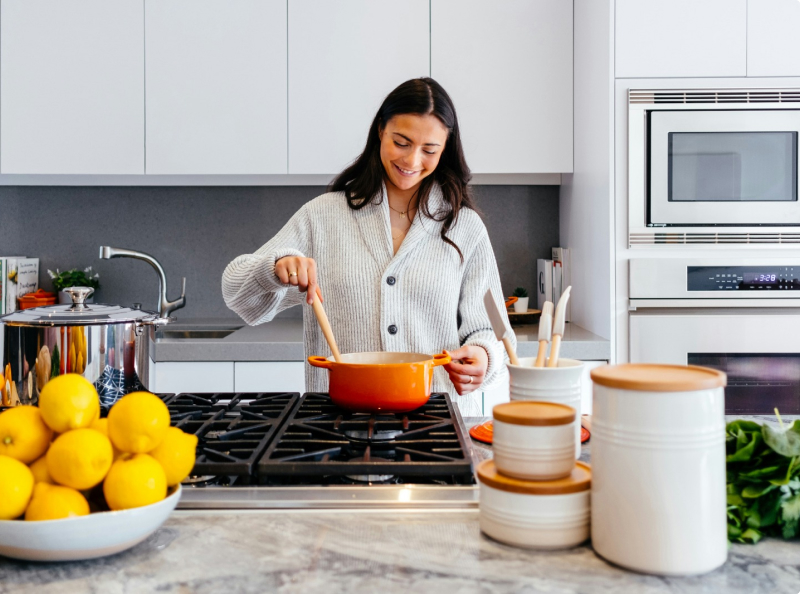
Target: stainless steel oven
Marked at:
742, 317
714, 165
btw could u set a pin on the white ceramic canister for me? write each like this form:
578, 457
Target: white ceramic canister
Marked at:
535, 514
534, 440
560, 384
658, 462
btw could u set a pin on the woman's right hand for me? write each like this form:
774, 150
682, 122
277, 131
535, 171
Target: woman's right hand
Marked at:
300, 272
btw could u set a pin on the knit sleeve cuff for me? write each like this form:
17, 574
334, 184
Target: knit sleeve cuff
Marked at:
265, 274
494, 350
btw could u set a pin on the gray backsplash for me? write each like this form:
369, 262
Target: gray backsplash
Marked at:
195, 231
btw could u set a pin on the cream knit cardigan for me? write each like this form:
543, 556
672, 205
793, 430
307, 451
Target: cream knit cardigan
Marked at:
424, 293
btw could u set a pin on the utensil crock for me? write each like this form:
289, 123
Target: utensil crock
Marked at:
381, 382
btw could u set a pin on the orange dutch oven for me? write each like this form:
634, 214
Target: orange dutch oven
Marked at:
381, 382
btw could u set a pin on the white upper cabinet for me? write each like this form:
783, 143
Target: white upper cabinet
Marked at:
508, 68
344, 58
773, 38
681, 38
216, 86
72, 86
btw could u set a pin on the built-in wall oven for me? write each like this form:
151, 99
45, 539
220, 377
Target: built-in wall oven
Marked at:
713, 166
740, 316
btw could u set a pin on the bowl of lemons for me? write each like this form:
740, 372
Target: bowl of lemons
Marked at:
75, 486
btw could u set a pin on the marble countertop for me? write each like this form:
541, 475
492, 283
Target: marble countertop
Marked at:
282, 340
328, 552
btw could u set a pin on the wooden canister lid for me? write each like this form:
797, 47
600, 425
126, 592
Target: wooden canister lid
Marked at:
533, 413
648, 377
579, 480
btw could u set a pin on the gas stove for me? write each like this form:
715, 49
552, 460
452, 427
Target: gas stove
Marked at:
284, 450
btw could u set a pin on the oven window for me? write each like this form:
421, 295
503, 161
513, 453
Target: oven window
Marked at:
732, 167
757, 383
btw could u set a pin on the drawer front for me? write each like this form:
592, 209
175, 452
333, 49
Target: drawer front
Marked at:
193, 376
270, 376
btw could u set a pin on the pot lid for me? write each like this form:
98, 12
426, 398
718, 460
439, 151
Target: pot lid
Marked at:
648, 377
532, 413
579, 480
77, 314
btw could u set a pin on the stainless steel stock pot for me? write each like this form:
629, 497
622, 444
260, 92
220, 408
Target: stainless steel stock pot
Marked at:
104, 343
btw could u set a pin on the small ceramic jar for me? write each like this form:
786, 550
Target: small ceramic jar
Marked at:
560, 384
535, 514
534, 440
658, 462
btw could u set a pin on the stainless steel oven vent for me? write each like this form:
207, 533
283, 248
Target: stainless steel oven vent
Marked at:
674, 238
683, 96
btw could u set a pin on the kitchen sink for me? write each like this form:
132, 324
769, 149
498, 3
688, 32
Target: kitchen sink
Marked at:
196, 333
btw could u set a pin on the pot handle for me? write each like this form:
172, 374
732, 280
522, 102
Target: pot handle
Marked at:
320, 362
441, 359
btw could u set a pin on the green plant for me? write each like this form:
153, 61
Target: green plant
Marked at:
520, 292
763, 480
74, 278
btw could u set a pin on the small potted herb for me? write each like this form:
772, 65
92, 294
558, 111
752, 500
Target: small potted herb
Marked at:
521, 304
73, 278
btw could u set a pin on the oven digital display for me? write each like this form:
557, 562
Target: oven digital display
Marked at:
743, 278
760, 278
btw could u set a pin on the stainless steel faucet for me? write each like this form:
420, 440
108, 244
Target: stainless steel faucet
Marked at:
165, 306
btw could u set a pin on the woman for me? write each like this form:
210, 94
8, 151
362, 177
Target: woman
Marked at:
402, 256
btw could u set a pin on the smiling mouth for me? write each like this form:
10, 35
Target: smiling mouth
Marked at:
405, 172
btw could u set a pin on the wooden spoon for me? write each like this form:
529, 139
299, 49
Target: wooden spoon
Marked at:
325, 326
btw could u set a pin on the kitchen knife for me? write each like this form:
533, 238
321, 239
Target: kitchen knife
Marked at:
499, 326
545, 330
558, 327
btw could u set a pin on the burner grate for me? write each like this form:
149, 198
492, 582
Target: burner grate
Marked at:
321, 439
232, 429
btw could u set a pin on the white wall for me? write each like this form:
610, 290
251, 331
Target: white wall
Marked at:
586, 217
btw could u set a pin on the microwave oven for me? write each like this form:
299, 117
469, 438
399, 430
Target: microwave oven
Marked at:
714, 166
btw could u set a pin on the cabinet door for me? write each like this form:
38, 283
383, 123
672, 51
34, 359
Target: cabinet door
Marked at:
216, 86
71, 86
270, 376
681, 38
344, 58
508, 68
773, 38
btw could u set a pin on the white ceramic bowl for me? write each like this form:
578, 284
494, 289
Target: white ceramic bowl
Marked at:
84, 537
532, 521
534, 453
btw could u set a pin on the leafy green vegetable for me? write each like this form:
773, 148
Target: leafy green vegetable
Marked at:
763, 475
786, 443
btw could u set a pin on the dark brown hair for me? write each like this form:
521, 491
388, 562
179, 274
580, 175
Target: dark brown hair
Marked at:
361, 181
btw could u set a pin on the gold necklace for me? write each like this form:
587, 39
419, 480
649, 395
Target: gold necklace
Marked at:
402, 213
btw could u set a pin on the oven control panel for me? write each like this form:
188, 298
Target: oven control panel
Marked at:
743, 278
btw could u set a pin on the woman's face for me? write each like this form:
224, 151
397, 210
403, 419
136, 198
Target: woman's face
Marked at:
411, 146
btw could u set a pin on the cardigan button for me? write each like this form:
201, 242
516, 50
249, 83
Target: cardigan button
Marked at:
391, 280
392, 329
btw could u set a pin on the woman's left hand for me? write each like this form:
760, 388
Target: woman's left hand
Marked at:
468, 368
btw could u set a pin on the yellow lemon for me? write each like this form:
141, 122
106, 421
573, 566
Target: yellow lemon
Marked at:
23, 434
69, 402
40, 472
137, 422
101, 425
80, 459
16, 486
53, 502
175, 453
134, 481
